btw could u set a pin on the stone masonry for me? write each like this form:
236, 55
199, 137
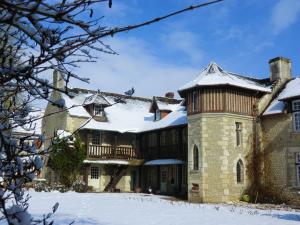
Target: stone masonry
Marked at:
215, 136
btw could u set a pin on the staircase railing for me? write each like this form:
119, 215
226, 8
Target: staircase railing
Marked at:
115, 178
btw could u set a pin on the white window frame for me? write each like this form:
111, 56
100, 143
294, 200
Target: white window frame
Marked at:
296, 105
95, 172
98, 110
296, 129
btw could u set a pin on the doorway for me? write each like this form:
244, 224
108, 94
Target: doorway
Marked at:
94, 180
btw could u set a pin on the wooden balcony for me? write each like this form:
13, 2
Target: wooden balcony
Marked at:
111, 152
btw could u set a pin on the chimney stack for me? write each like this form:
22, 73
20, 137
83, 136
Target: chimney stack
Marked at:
58, 80
280, 69
169, 95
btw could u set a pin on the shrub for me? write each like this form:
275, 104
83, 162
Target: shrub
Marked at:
80, 186
66, 159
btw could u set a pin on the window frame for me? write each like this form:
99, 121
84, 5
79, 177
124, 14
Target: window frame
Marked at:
293, 105
240, 176
296, 128
95, 174
99, 137
196, 158
100, 111
157, 115
239, 133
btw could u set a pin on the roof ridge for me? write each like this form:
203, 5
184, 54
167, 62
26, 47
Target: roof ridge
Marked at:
166, 98
77, 90
249, 77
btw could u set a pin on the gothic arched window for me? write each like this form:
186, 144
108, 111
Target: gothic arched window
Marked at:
240, 172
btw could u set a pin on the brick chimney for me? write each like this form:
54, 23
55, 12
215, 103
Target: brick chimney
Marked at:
169, 95
280, 69
58, 80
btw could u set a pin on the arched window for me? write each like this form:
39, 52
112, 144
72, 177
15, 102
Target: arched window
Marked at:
196, 158
240, 172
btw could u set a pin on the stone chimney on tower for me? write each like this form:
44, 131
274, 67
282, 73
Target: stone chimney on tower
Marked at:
280, 69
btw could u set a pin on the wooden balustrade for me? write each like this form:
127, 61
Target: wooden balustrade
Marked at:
111, 152
157, 152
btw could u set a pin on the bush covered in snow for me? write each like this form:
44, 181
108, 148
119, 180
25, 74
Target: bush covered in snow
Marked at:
80, 186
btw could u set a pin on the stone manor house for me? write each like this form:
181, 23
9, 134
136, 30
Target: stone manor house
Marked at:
228, 135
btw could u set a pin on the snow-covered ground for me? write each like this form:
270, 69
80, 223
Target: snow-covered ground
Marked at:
140, 209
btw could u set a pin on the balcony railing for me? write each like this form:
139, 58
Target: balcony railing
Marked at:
111, 152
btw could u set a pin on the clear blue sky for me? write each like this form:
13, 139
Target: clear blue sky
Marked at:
240, 35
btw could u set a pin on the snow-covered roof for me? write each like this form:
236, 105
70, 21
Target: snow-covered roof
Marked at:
291, 90
164, 103
96, 98
214, 75
129, 115
35, 127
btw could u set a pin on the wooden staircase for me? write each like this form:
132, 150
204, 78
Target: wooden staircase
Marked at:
115, 178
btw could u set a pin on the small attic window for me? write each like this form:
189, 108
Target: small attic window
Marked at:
98, 110
157, 114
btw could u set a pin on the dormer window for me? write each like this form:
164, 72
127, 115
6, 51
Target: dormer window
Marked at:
95, 105
98, 110
157, 114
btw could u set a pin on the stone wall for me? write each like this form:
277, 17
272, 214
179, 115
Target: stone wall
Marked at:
215, 136
280, 146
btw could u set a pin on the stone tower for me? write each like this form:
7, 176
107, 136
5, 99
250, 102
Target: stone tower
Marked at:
221, 119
